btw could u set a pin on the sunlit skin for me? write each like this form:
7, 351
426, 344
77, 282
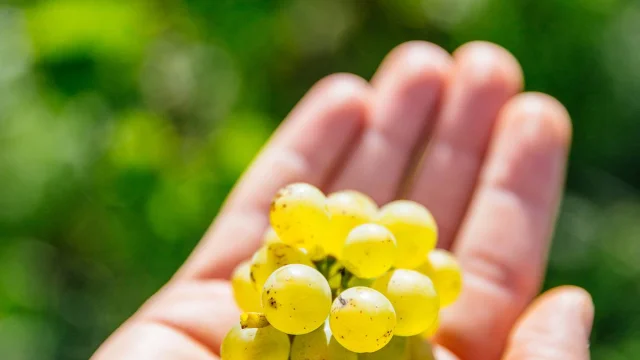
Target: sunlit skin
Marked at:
492, 177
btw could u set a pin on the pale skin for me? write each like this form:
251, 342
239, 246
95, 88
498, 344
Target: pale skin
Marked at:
454, 132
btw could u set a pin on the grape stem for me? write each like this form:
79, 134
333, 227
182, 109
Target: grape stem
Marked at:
324, 265
253, 320
346, 276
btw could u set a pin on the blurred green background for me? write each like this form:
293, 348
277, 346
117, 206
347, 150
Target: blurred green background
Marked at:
123, 125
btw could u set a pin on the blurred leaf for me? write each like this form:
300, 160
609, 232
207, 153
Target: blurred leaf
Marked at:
112, 29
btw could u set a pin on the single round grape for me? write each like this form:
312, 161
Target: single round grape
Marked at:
296, 299
272, 257
319, 345
348, 209
445, 272
414, 228
414, 299
299, 215
265, 343
362, 320
397, 349
369, 251
245, 293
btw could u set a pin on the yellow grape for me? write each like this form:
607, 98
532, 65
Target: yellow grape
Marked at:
246, 295
299, 215
296, 299
348, 209
432, 329
272, 257
414, 299
314, 252
265, 343
270, 236
369, 251
362, 319
445, 272
319, 345
414, 228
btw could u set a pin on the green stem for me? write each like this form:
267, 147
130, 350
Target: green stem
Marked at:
346, 276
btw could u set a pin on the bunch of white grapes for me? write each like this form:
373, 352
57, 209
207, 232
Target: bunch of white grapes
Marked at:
339, 279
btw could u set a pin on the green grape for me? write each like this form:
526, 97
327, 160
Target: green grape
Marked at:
362, 319
299, 215
369, 251
414, 299
414, 228
272, 257
296, 299
270, 236
445, 272
244, 291
348, 209
319, 345
396, 349
265, 343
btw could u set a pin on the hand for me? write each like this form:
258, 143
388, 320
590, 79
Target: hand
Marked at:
492, 175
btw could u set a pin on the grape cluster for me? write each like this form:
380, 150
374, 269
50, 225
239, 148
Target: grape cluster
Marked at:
339, 279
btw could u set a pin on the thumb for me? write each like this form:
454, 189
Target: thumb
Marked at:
556, 326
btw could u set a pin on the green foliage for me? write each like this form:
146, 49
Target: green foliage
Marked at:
123, 125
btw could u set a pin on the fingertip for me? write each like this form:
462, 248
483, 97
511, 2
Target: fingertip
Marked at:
337, 103
556, 326
418, 61
343, 92
543, 115
571, 297
487, 64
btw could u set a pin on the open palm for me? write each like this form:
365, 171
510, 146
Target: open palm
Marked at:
451, 132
